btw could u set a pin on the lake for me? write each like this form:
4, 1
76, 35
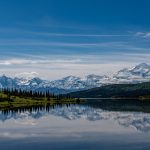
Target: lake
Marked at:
74, 126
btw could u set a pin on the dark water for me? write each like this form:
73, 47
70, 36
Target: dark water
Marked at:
80, 126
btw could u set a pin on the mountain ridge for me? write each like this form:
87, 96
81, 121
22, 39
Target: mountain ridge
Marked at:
30, 81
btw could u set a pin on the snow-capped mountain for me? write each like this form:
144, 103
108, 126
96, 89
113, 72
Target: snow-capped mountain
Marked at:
96, 80
77, 83
140, 73
27, 79
70, 82
31, 81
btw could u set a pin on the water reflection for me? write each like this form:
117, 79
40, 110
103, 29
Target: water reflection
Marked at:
136, 120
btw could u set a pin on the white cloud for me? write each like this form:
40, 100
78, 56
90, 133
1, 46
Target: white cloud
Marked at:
147, 35
19, 42
24, 61
54, 67
139, 34
79, 35
143, 34
14, 62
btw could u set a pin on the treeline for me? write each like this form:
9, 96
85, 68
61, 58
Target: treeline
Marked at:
9, 93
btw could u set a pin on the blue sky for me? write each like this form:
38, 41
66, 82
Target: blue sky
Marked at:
62, 37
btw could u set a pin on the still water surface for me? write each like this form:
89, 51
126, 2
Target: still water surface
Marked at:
77, 126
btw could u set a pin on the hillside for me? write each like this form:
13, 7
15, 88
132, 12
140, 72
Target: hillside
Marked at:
140, 90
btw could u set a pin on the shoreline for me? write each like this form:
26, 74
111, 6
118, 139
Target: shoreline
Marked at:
31, 102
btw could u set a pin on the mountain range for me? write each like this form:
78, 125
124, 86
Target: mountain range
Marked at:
30, 81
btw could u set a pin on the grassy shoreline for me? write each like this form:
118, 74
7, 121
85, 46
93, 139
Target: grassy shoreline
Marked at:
25, 102
18, 98
15, 102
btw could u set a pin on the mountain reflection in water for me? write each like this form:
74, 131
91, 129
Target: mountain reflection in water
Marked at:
137, 120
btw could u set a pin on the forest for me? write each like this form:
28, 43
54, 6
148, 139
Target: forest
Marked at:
12, 98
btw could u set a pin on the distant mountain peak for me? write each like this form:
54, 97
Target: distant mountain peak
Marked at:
139, 73
141, 68
26, 75
26, 78
142, 65
71, 78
